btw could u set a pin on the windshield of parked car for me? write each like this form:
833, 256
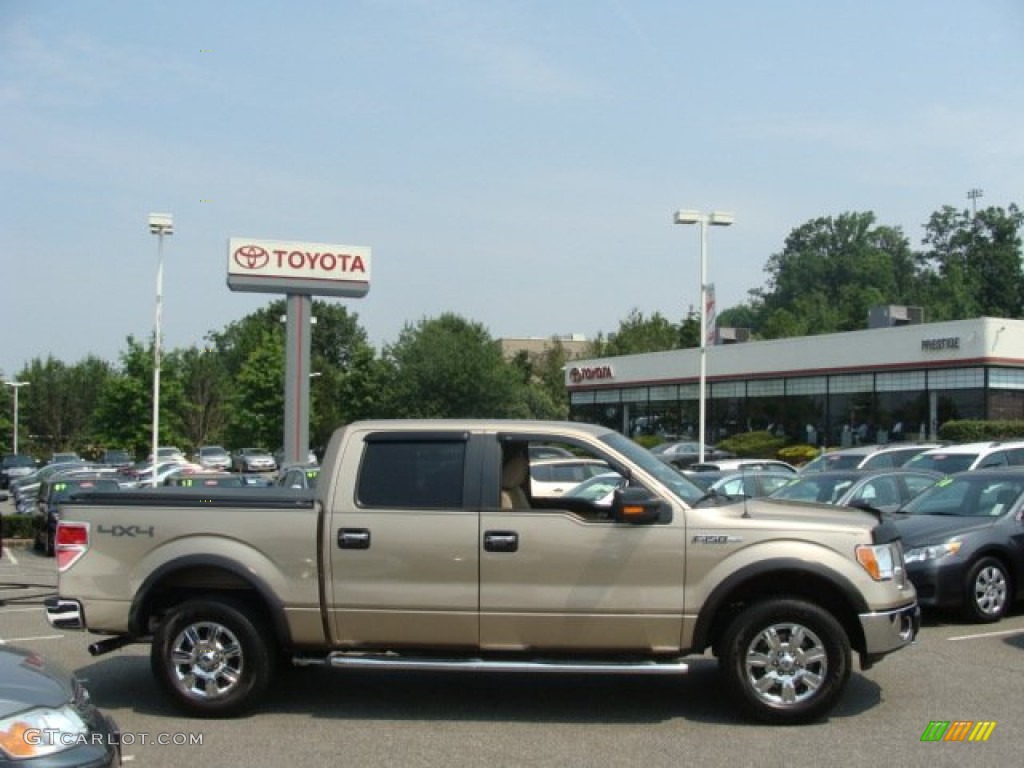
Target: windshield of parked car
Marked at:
824, 489
968, 495
665, 474
946, 463
829, 461
18, 460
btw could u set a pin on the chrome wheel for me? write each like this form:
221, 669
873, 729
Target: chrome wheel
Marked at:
990, 591
786, 664
207, 661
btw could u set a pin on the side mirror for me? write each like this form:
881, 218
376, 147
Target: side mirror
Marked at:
638, 506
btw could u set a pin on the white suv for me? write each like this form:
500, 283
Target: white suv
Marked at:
958, 458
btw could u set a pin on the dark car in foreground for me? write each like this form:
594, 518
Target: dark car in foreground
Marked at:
964, 542
47, 718
55, 490
885, 490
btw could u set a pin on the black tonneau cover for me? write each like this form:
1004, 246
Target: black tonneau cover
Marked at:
171, 496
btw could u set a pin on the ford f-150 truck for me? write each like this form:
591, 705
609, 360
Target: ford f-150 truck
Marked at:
423, 548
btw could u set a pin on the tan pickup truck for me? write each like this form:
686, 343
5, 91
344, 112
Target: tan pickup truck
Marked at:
422, 547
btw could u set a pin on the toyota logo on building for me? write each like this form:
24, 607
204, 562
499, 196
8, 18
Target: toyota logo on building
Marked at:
251, 257
578, 375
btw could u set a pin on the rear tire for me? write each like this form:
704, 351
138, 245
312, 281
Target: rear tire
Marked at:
211, 657
785, 661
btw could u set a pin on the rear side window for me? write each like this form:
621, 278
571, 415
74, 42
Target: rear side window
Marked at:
412, 474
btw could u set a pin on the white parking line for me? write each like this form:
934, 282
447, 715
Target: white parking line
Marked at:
6, 640
988, 634
10, 556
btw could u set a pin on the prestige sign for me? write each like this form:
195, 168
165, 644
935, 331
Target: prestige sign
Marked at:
312, 269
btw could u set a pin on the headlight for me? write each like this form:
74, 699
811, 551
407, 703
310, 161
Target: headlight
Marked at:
882, 561
934, 552
39, 732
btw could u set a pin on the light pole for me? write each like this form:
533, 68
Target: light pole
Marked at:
973, 195
15, 385
715, 219
160, 224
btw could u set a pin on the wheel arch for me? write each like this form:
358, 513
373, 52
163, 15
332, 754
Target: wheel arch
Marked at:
777, 578
208, 576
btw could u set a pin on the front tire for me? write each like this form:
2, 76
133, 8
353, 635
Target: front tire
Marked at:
986, 591
785, 661
211, 657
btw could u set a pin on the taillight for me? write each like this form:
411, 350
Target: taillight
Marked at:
70, 543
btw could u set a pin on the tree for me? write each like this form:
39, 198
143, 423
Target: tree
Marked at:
448, 367
58, 407
256, 415
638, 334
830, 272
972, 266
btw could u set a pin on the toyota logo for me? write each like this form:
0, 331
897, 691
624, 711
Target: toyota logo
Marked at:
251, 257
576, 375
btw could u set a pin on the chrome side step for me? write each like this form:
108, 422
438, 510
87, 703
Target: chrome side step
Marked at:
352, 660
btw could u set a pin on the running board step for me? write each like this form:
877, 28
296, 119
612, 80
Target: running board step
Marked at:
393, 661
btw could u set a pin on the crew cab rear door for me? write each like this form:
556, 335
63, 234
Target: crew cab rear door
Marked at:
403, 546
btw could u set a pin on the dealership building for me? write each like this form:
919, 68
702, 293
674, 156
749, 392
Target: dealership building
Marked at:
896, 382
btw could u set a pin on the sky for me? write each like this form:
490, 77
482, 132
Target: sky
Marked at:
515, 162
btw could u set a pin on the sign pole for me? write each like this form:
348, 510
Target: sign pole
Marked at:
296, 378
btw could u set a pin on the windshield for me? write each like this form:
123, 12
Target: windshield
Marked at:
968, 495
19, 460
946, 463
824, 490
834, 461
666, 475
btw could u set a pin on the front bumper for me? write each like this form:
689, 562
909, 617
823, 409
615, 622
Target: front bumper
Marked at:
888, 631
939, 583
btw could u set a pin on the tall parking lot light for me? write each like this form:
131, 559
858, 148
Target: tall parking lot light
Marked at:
15, 385
715, 219
160, 224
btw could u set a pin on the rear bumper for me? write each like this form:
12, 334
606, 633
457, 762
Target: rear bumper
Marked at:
888, 631
64, 614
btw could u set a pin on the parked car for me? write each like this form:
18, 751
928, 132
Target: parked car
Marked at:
279, 457
740, 484
885, 490
552, 477
114, 457
548, 451
55, 490
253, 460
950, 459
26, 489
204, 479
169, 453
867, 457
731, 465
142, 475
14, 465
64, 457
962, 539
599, 490
41, 698
299, 476
213, 457
684, 453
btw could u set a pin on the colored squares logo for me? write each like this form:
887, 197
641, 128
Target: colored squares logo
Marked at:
958, 730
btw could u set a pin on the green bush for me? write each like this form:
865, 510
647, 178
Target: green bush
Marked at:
798, 454
756, 445
981, 431
648, 441
17, 527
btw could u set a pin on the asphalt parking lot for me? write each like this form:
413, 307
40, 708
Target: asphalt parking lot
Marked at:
315, 717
